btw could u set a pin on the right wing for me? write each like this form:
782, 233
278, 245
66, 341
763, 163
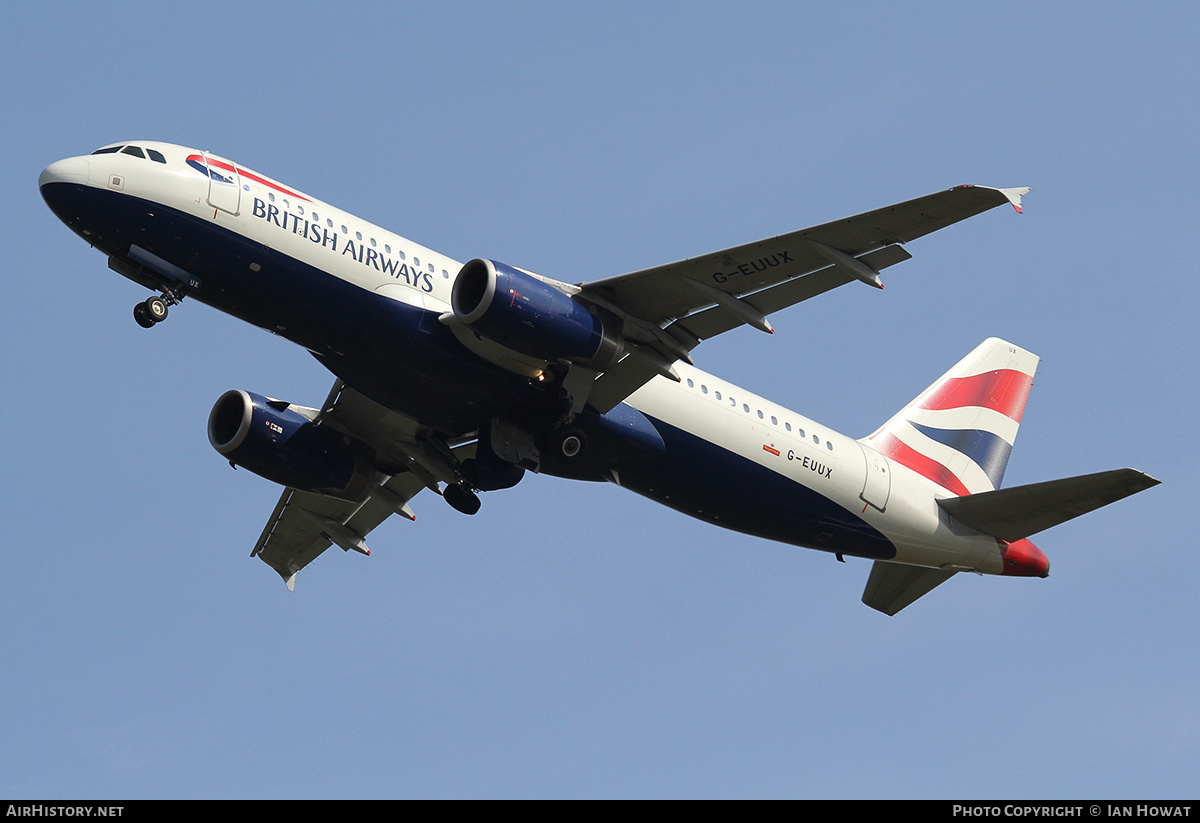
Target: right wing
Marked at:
305, 524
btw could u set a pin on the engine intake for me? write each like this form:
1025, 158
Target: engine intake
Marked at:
531, 316
274, 441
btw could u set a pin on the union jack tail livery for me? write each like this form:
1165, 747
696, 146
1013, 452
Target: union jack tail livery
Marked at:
960, 431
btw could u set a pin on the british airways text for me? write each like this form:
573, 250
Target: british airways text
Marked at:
329, 239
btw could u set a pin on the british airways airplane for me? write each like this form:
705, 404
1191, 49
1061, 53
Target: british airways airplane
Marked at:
458, 378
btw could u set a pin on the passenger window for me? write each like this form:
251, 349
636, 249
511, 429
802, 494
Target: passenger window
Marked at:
816, 440
746, 408
718, 396
829, 445
760, 415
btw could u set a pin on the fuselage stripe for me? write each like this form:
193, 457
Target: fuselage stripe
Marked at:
249, 175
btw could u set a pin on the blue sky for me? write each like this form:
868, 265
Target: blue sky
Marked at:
573, 639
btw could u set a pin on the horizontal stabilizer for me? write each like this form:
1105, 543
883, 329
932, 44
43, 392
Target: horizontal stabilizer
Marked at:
1016, 513
893, 586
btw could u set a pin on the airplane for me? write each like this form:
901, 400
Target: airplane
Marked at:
460, 377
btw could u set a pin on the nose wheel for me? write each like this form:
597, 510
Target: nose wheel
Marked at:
153, 310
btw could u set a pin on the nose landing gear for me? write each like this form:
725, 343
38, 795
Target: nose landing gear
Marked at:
153, 310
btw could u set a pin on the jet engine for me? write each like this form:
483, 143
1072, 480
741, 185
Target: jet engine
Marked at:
273, 440
531, 316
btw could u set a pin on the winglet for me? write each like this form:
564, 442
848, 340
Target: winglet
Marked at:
1013, 195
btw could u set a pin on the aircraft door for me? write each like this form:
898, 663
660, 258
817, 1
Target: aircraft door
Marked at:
878, 485
224, 184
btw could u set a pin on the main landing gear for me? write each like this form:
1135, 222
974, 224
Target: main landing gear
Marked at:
153, 310
461, 498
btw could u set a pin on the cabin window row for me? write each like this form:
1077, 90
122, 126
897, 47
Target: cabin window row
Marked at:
387, 247
787, 425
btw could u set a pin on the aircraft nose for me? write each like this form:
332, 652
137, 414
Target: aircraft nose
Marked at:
71, 170
1023, 559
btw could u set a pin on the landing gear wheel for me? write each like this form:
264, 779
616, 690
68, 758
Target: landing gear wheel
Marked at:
139, 314
462, 499
571, 445
156, 309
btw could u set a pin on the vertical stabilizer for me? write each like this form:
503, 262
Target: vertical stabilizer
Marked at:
960, 431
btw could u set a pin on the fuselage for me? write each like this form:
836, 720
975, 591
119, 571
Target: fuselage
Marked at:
366, 302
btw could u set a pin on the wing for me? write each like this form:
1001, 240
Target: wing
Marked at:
305, 524
669, 309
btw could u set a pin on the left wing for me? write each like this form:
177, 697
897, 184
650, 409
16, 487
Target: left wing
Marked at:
668, 310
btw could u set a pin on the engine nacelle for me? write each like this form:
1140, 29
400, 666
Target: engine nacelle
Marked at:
282, 445
530, 316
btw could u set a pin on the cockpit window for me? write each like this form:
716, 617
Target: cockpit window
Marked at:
156, 156
134, 150
108, 150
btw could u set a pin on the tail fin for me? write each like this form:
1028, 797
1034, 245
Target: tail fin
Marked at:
959, 432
